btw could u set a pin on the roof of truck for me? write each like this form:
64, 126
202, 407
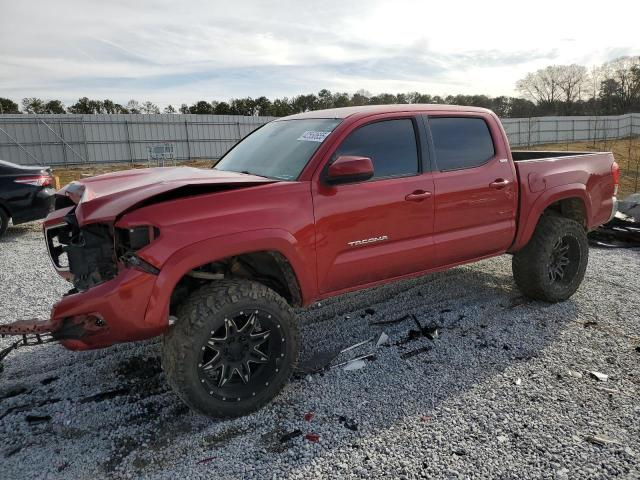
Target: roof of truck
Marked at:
375, 109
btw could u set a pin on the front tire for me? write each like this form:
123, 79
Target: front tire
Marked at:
552, 265
232, 349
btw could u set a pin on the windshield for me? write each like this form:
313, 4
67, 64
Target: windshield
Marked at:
280, 149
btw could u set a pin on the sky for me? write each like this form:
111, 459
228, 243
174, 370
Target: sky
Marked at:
173, 52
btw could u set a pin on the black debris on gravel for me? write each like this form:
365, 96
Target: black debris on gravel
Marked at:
35, 419
108, 395
290, 435
48, 380
392, 321
623, 231
316, 363
415, 352
13, 391
348, 423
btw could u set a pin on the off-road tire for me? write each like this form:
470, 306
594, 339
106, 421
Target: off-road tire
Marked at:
4, 221
531, 265
203, 312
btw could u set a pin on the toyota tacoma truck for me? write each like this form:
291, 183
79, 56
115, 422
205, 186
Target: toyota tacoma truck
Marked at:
307, 207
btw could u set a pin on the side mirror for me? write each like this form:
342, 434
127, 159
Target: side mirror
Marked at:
348, 168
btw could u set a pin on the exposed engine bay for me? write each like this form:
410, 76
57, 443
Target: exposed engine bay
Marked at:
90, 254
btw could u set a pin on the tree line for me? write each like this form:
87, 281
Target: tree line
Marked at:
612, 88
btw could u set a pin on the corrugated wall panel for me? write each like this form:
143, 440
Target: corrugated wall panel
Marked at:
76, 139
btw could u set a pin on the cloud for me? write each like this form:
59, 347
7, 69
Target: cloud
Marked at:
172, 52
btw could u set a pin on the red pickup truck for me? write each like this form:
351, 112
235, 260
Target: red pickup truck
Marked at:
306, 207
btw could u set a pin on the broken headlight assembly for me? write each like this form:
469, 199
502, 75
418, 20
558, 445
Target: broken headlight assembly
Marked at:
130, 240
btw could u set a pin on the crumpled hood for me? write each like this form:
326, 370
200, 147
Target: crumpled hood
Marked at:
107, 196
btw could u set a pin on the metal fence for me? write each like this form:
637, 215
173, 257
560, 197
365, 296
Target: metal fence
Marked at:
546, 130
95, 139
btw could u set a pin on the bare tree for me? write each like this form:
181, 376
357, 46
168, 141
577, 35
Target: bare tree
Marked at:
625, 72
133, 106
542, 86
149, 107
572, 82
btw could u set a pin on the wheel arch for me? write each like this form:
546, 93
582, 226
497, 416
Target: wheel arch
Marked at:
272, 253
570, 201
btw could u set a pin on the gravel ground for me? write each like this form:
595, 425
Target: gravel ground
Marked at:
503, 391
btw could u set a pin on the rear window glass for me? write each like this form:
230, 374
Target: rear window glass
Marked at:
461, 142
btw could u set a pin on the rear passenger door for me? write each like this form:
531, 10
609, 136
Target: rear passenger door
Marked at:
475, 187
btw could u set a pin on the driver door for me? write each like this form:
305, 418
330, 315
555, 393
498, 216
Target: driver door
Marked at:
381, 228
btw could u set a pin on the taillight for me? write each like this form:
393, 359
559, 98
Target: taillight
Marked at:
36, 181
615, 173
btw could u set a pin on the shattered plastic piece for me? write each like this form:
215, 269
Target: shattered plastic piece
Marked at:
518, 381
288, 436
599, 376
312, 437
600, 440
369, 356
574, 374
356, 345
383, 339
430, 332
389, 322
354, 365
309, 416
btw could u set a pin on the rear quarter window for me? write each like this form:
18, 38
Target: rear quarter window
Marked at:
460, 142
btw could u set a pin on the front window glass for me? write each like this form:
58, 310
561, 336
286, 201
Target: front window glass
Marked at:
390, 144
280, 149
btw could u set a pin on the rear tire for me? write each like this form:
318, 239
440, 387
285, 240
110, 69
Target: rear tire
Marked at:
4, 221
232, 349
552, 265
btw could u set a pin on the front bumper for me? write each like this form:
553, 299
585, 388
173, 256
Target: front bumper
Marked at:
112, 312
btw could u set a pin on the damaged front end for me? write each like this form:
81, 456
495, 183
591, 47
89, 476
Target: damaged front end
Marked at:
89, 257
84, 256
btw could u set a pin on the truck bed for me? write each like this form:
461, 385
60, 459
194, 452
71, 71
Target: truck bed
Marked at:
524, 155
545, 176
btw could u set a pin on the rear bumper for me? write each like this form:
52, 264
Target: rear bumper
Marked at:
112, 312
614, 209
39, 207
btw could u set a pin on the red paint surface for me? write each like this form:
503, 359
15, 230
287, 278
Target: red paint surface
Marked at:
431, 221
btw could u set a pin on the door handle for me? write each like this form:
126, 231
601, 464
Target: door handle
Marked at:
417, 196
499, 184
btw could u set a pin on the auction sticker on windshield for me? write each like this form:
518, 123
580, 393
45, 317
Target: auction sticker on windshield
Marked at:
311, 136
